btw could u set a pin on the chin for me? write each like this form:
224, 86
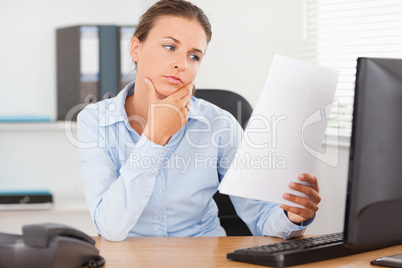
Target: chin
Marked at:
160, 96
167, 90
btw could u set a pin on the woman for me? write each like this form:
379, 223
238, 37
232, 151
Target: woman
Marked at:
153, 153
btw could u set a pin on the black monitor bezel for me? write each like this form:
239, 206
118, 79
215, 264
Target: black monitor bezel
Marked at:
353, 236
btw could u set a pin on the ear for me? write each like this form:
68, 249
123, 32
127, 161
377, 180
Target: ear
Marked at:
134, 49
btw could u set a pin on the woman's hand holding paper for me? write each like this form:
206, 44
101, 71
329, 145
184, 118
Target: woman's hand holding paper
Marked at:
309, 203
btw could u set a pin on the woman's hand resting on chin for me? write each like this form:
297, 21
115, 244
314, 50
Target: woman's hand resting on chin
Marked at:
166, 116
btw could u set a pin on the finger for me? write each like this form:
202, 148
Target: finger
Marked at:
183, 91
190, 91
181, 104
151, 89
312, 180
305, 202
186, 101
302, 212
186, 109
309, 191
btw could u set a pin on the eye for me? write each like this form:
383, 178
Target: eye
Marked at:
194, 57
169, 47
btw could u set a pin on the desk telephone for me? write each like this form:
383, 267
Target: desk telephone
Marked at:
48, 245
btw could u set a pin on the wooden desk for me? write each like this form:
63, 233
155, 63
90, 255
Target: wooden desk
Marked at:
206, 252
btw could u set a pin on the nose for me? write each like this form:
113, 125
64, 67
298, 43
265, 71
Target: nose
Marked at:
180, 63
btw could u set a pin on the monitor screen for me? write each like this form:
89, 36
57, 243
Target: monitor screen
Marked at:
373, 215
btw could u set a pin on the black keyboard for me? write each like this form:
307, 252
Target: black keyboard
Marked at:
295, 252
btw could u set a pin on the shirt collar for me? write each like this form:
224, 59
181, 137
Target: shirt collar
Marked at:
114, 107
195, 112
115, 111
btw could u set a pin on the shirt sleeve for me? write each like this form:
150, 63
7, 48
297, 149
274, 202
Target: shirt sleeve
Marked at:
261, 217
116, 198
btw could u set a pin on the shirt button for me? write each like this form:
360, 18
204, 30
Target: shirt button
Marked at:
159, 191
159, 178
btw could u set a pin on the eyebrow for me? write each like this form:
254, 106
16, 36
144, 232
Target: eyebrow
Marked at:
178, 42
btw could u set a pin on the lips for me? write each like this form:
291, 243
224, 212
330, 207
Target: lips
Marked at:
173, 79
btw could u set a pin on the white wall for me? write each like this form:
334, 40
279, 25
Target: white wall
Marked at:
28, 46
38, 156
332, 183
246, 35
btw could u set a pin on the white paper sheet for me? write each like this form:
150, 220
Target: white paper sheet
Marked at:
284, 135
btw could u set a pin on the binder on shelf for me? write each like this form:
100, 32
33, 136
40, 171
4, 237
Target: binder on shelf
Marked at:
26, 199
93, 63
109, 63
77, 56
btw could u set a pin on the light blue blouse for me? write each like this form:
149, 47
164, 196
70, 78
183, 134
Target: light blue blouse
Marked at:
137, 188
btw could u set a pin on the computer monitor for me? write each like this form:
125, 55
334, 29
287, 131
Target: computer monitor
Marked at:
373, 215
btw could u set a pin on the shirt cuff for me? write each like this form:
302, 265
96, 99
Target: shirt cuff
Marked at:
146, 157
304, 223
283, 227
297, 229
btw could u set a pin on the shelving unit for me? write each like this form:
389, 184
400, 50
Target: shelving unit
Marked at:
41, 154
74, 214
42, 126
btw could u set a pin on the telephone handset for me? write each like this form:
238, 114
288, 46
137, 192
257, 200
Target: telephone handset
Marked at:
49, 245
38, 235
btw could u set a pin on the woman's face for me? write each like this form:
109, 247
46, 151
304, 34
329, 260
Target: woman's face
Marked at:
171, 54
